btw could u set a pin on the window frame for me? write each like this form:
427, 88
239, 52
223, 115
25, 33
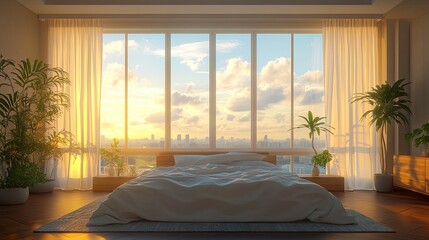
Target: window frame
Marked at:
292, 151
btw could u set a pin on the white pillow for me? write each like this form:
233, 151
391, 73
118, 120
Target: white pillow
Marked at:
230, 157
251, 164
186, 160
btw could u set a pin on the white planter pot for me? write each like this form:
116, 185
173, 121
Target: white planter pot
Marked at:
315, 172
383, 182
12, 196
46, 187
110, 170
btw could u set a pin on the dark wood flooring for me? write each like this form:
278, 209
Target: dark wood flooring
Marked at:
405, 212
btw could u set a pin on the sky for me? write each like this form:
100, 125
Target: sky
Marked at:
190, 85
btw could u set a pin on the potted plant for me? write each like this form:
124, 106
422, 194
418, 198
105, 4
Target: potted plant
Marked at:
16, 180
50, 149
315, 125
420, 136
116, 164
321, 159
388, 104
31, 100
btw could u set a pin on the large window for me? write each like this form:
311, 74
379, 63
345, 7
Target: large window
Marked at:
233, 96
226, 91
189, 90
274, 90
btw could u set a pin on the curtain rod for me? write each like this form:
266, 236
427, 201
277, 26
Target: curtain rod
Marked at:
135, 17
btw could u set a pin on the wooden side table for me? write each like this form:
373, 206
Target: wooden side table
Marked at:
329, 182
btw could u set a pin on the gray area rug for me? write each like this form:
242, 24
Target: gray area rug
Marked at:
76, 222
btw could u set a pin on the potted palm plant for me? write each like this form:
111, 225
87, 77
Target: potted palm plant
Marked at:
31, 100
315, 125
389, 103
420, 136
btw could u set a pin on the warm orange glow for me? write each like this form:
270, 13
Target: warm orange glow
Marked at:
79, 167
80, 236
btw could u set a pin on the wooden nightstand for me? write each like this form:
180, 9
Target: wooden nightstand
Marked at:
329, 182
108, 184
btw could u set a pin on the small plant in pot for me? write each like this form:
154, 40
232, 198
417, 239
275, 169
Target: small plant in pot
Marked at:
31, 100
315, 125
420, 137
321, 159
389, 103
116, 164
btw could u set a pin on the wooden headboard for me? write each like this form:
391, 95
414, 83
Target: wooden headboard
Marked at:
165, 159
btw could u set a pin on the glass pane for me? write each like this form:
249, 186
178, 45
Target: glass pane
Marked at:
303, 165
189, 90
283, 162
146, 90
308, 85
141, 163
233, 90
112, 115
274, 90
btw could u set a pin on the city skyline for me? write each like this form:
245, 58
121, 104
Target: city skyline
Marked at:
188, 141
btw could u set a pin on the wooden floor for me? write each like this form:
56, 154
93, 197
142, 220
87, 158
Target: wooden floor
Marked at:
405, 212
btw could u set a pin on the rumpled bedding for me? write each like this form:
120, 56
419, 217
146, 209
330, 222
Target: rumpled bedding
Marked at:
220, 193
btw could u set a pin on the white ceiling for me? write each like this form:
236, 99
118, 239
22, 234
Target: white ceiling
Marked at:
378, 7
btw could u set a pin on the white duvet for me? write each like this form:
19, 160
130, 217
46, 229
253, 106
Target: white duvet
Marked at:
220, 193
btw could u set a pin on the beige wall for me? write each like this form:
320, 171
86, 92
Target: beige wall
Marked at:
19, 34
419, 72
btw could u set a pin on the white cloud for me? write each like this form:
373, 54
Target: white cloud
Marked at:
240, 101
182, 99
159, 117
314, 76
226, 46
193, 120
309, 88
136, 122
156, 117
236, 74
272, 83
312, 96
244, 118
269, 96
230, 117
193, 54
117, 47
276, 72
280, 117
190, 87
114, 74
176, 114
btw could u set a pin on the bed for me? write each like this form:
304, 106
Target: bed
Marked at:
227, 187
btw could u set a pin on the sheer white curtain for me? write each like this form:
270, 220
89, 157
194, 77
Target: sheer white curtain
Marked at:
351, 65
76, 46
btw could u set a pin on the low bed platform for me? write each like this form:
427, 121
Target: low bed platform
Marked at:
230, 187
